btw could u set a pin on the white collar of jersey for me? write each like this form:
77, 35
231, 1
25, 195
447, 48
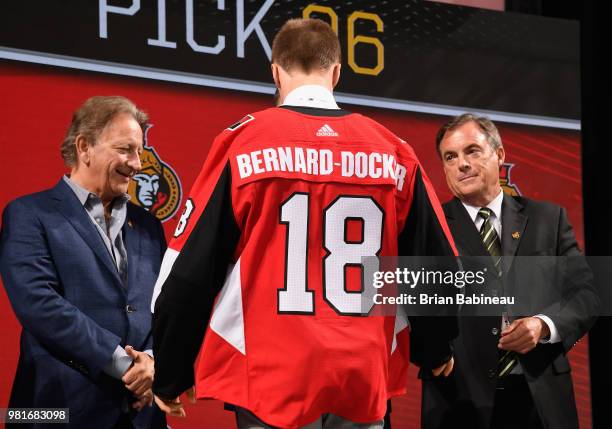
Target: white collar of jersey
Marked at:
311, 96
495, 205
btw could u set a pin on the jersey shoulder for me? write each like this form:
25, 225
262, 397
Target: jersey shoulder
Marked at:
378, 132
252, 124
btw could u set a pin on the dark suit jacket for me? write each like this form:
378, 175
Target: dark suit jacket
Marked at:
466, 398
67, 294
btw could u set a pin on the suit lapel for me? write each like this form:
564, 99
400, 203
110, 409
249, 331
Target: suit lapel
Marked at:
131, 241
466, 236
513, 227
70, 207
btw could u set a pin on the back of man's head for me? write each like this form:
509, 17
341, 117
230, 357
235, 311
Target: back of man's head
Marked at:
306, 45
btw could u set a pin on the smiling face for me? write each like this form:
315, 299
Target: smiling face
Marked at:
105, 168
471, 165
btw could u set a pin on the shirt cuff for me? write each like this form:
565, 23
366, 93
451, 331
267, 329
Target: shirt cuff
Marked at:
149, 352
120, 362
554, 336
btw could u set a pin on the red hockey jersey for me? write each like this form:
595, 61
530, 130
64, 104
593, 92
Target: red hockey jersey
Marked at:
266, 265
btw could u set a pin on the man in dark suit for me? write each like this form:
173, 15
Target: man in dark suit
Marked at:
518, 376
79, 263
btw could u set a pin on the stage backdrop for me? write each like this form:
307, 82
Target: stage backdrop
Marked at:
430, 61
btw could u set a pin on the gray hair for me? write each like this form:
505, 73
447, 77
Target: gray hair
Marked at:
485, 124
92, 117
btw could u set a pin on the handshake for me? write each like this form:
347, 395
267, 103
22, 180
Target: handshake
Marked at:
138, 379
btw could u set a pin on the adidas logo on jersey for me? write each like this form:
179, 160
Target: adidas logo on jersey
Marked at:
326, 131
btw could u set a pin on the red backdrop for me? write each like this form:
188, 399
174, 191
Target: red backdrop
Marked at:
37, 104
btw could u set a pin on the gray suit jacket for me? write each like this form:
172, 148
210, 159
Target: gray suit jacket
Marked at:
529, 228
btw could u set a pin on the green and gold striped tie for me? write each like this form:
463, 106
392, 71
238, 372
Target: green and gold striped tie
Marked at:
507, 359
490, 238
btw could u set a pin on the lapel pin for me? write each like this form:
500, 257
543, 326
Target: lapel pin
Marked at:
516, 235
130, 224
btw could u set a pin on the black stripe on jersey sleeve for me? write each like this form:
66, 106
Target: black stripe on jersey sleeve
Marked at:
423, 236
317, 111
184, 306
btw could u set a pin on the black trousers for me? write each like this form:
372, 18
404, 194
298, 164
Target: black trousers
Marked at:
514, 407
124, 422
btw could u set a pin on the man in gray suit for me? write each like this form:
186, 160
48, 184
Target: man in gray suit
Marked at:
518, 376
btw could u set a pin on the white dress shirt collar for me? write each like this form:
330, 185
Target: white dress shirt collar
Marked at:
495, 205
311, 96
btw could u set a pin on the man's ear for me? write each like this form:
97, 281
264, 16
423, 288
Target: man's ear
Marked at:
501, 155
276, 74
82, 149
336, 74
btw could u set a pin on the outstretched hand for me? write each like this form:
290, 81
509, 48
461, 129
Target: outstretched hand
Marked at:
174, 407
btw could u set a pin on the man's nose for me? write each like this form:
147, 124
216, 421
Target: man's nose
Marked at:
134, 162
464, 165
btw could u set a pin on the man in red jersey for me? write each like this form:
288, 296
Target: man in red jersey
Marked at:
266, 265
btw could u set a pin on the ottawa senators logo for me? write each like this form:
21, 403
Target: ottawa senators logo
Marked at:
506, 183
156, 187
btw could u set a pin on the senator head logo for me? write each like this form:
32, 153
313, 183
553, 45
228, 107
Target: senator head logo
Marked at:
156, 187
505, 181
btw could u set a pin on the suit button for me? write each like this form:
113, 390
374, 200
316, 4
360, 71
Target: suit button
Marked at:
491, 373
129, 309
494, 331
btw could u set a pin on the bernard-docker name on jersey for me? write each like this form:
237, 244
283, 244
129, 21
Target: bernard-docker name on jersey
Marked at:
321, 162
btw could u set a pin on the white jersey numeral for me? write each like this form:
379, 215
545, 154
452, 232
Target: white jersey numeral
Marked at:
182, 223
342, 253
295, 297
